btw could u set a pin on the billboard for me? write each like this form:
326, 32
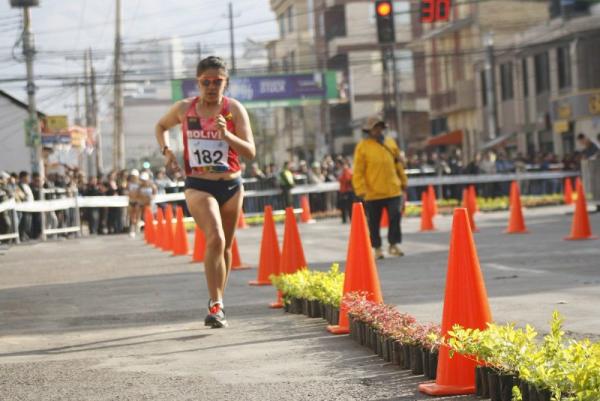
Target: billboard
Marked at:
275, 90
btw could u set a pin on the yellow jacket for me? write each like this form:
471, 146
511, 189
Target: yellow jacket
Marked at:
378, 172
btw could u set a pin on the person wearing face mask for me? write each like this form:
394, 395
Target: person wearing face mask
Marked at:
216, 131
379, 179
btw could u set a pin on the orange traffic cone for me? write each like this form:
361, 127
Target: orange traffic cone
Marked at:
465, 195
426, 213
472, 207
236, 260
199, 245
270, 256
169, 235
361, 272
385, 218
305, 217
432, 201
473, 198
568, 192
180, 241
516, 223
149, 234
292, 254
160, 229
242, 221
464, 281
580, 229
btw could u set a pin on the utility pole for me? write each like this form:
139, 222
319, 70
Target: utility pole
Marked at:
32, 124
397, 102
77, 104
118, 138
231, 42
95, 125
88, 115
492, 120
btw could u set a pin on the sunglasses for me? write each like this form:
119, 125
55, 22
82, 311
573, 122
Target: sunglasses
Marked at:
206, 82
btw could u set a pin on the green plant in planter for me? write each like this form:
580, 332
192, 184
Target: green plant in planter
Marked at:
326, 287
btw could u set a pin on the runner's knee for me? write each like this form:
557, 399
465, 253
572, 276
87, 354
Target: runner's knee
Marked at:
216, 241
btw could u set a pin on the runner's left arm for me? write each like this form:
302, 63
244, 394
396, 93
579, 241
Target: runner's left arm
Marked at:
243, 140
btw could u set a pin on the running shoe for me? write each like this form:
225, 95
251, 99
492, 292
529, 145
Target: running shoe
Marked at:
395, 251
378, 253
216, 317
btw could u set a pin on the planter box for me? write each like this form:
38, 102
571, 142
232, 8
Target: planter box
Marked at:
305, 306
314, 309
425, 354
536, 394
433, 363
323, 312
379, 343
524, 388
405, 349
507, 382
481, 382
493, 384
296, 306
416, 360
335, 317
388, 349
397, 356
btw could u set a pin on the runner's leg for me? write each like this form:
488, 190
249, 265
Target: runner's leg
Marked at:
230, 213
205, 210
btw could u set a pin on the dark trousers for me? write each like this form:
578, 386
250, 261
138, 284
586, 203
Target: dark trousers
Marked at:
345, 200
374, 210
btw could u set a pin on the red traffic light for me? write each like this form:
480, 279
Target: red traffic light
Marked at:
384, 8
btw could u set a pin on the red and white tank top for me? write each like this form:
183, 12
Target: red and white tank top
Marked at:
202, 151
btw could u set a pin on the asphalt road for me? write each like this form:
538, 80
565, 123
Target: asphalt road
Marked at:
109, 318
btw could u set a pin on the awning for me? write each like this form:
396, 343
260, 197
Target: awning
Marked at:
451, 138
497, 141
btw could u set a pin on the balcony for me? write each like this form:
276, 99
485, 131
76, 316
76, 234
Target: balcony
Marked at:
462, 97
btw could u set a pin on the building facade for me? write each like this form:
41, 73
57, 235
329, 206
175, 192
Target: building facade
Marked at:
548, 86
15, 156
452, 49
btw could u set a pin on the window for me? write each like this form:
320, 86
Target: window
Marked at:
525, 78
483, 88
290, 18
542, 73
564, 67
281, 22
506, 81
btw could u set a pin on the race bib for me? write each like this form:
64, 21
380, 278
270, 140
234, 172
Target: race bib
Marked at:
208, 154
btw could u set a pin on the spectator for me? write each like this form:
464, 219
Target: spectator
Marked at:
380, 180
24, 195
346, 194
286, 183
589, 148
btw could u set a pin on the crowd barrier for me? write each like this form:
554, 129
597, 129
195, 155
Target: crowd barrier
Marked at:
255, 199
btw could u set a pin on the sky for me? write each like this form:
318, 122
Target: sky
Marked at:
63, 29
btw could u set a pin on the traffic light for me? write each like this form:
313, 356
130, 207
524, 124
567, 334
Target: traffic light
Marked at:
435, 10
384, 12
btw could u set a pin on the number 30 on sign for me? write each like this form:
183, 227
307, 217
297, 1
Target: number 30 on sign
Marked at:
435, 10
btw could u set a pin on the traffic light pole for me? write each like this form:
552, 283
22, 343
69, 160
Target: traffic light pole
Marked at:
397, 101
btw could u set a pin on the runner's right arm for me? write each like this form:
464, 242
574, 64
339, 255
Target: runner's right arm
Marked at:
168, 121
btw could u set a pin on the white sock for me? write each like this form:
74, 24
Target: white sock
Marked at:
218, 301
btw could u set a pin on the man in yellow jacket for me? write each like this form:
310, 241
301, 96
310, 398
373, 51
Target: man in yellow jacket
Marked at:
380, 180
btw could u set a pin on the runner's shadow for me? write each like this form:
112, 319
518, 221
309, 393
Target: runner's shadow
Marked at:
98, 345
